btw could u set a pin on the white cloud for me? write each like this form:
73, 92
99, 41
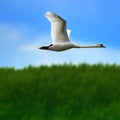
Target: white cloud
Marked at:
28, 48
9, 33
38, 41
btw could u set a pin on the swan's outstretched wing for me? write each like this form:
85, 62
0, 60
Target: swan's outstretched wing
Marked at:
68, 32
58, 28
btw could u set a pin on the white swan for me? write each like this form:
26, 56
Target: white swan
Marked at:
61, 36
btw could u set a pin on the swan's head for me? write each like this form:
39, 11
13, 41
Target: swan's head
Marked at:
101, 46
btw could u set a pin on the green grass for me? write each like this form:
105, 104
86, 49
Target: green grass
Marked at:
60, 92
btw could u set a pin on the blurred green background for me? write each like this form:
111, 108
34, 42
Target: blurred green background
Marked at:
60, 92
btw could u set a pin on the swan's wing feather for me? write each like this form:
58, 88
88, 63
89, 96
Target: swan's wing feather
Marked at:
58, 28
68, 32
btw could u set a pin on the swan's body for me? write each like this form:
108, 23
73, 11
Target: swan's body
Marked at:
61, 36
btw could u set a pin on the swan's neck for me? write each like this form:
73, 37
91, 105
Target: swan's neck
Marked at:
89, 46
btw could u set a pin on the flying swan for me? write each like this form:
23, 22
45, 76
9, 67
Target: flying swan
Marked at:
61, 36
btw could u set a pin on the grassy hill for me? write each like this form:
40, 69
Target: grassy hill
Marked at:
60, 92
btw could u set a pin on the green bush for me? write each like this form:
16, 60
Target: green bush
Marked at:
60, 92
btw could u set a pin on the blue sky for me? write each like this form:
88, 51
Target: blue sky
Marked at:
23, 28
